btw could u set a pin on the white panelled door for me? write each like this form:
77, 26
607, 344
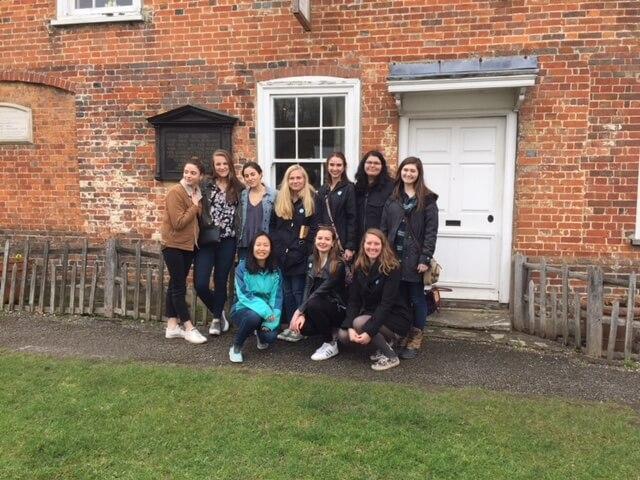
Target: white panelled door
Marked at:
464, 165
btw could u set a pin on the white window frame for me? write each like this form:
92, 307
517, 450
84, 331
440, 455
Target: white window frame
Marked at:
313, 86
68, 14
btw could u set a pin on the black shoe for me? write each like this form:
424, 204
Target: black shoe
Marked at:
408, 353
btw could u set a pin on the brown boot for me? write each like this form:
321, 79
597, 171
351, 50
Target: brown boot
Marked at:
414, 342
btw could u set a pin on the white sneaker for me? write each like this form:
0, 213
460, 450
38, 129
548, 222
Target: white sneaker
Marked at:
214, 329
224, 323
235, 357
259, 343
194, 336
376, 356
175, 332
385, 363
325, 352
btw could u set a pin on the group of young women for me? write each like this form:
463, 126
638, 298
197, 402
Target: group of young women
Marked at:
344, 264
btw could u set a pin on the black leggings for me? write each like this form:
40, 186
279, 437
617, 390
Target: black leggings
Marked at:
322, 317
379, 340
178, 263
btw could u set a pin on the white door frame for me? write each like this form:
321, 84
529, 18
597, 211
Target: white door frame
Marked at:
508, 187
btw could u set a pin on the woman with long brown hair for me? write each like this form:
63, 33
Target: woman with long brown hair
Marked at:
377, 313
338, 197
410, 221
323, 304
217, 242
179, 233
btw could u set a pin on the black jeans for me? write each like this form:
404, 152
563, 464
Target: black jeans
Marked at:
322, 317
217, 257
178, 263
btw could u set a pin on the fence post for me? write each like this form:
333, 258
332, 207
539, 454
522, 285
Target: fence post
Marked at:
25, 271
631, 305
613, 330
519, 279
565, 304
5, 268
594, 311
110, 270
541, 326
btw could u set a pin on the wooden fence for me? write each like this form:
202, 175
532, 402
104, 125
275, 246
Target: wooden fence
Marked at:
111, 280
588, 308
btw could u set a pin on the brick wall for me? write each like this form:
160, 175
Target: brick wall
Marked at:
39, 182
579, 136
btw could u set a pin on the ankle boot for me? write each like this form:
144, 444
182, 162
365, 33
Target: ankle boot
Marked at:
414, 342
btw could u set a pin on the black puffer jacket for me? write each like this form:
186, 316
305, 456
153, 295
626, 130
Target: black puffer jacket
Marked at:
370, 203
342, 202
378, 295
323, 284
421, 233
291, 250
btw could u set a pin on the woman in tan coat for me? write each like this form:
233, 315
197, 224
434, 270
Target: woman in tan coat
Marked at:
179, 234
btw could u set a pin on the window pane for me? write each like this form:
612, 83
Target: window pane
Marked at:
284, 111
333, 111
308, 111
313, 169
308, 144
102, 3
285, 143
124, 3
332, 141
84, 3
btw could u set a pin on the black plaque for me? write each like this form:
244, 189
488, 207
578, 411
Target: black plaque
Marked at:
187, 132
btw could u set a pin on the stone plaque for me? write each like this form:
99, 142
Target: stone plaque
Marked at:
15, 123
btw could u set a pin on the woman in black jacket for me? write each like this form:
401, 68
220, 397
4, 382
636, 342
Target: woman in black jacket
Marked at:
376, 312
410, 221
294, 221
373, 187
323, 304
338, 197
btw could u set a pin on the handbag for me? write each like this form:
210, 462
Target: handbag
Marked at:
348, 268
209, 235
432, 275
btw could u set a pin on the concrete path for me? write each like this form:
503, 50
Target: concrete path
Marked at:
451, 358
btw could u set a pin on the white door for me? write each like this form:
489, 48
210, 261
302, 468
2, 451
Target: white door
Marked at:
464, 165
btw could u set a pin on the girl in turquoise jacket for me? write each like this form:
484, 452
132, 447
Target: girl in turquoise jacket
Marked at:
258, 285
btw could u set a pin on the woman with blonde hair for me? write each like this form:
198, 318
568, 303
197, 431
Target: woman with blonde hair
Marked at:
293, 226
217, 242
377, 313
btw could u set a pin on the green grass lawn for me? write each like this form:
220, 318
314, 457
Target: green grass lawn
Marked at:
64, 419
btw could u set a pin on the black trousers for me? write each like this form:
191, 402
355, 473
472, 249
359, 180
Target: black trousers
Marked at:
178, 263
322, 317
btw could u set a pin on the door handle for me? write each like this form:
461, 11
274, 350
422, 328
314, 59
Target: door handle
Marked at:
490, 218
452, 223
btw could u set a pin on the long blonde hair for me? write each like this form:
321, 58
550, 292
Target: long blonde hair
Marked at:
387, 258
284, 200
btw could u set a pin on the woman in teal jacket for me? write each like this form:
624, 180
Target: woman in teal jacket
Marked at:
258, 285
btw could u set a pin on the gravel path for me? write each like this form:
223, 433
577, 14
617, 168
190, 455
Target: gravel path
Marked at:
451, 362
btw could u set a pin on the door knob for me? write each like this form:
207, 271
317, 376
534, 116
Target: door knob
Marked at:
490, 218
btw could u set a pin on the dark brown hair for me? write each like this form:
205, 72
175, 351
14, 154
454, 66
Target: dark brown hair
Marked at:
234, 186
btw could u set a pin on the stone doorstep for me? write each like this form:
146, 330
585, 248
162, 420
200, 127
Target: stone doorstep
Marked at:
472, 319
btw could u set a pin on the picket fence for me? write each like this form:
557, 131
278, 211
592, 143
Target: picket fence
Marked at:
110, 280
594, 310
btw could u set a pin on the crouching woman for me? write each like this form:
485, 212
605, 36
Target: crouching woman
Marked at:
377, 313
323, 304
258, 285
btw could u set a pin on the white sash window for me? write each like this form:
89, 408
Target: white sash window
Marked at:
302, 120
97, 11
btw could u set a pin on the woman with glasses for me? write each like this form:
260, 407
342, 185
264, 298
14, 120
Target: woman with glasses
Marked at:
373, 187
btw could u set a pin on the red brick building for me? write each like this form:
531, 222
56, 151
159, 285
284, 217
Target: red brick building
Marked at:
526, 113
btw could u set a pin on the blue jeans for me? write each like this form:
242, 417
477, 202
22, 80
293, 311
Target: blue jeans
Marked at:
247, 321
217, 257
418, 301
292, 293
